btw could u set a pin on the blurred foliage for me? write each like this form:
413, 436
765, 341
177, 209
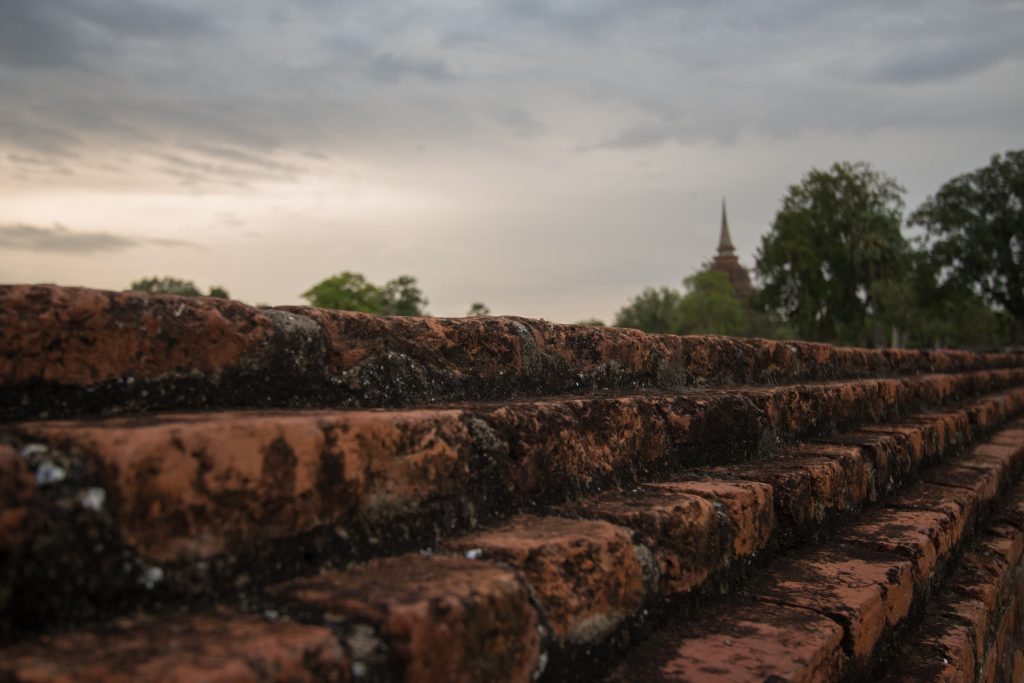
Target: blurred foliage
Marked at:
478, 309
833, 241
350, 291
974, 234
171, 285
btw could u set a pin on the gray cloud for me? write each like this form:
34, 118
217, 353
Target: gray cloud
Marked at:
59, 239
66, 33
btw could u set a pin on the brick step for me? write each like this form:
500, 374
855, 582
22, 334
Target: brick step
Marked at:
974, 628
564, 584
74, 351
829, 612
167, 508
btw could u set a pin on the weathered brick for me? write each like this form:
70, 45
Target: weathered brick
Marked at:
890, 461
682, 530
586, 573
860, 473
805, 489
439, 618
193, 486
749, 506
919, 535
867, 591
81, 336
210, 648
981, 479
968, 612
941, 652
742, 642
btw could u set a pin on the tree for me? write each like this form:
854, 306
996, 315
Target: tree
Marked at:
170, 285
836, 236
350, 291
654, 310
974, 230
711, 305
478, 309
590, 322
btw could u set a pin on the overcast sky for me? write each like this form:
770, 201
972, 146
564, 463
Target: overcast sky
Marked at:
550, 159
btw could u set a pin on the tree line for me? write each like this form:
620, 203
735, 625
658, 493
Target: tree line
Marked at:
835, 266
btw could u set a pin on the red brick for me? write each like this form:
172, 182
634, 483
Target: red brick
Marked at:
980, 479
1013, 437
181, 649
441, 618
968, 612
81, 336
860, 474
741, 642
194, 486
682, 530
919, 535
942, 653
912, 439
1003, 540
890, 461
959, 505
866, 590
749, 506
585, 573
805, 489
983, 577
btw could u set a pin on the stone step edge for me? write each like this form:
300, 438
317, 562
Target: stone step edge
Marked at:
146, 581
183, 476
973, 630
72, 351
617, 596
789, 615
508, 647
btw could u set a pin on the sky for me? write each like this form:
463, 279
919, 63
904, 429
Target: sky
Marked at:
547, 158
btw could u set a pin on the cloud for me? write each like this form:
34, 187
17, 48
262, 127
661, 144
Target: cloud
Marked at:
51, 35
391, 68
59, 239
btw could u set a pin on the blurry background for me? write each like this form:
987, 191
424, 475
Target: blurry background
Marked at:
547, 159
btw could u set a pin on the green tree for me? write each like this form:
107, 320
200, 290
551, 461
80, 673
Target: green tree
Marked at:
592, 322
974, 230
350, 291
478, 309
653, 310
171, 285
836, 236
920, 311
404, 297
711, 306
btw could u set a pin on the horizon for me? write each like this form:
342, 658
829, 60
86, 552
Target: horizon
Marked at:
550, 161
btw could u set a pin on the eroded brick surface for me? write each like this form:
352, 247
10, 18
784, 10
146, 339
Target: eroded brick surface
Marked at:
439, 618
682, 530
746, 642
922, 536
866, 591
805, 489
587, 574
73, 335
748, 505
188, 649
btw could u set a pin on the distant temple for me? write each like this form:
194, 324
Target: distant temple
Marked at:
726, 261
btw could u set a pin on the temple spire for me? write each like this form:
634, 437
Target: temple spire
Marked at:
725, 241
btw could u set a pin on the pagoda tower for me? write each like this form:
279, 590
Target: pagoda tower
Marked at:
726, 262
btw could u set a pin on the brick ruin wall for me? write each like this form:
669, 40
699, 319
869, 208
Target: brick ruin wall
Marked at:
198, 490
